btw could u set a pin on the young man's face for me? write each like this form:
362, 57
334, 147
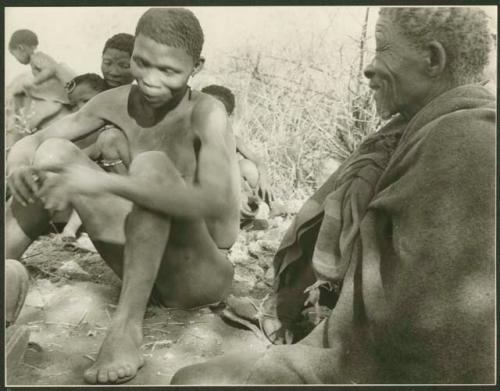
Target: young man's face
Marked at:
22, 54
115, 67
80, 95
161, 71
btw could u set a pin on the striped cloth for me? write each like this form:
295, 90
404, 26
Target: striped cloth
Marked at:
336, 209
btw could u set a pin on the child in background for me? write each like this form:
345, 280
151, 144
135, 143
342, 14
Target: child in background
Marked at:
115, 64
83, 88
252, 170
97, 146
43, 95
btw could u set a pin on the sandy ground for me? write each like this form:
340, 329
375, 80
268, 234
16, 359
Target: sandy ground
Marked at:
72, 298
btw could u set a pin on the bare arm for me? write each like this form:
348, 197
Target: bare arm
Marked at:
207, 198
246, 152
81, 123
19, 162
264, 188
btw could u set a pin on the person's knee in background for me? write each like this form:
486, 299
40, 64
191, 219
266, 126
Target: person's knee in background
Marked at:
113, 148
16, 288
250, 173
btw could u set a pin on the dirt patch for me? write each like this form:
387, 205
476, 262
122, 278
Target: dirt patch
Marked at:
68, 313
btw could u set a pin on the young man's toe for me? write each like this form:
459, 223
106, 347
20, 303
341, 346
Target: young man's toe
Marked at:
102, 377
112, 375
90, 376
122, 372
128, 370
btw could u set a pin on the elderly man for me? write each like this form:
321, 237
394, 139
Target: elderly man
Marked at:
404, 228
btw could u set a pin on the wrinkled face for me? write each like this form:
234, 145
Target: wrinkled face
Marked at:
80, 95
397, 72
115, 67
161, 71
22, 54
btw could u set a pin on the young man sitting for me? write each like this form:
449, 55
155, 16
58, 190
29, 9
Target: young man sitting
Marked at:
165, 226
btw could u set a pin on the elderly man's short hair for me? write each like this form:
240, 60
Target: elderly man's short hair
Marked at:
462, 31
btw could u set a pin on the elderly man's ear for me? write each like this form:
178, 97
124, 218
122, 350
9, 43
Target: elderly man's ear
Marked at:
436, 60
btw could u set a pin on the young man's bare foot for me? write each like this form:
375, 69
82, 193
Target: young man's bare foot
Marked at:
119, 358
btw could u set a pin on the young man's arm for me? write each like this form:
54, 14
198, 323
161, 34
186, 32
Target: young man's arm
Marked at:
207, 198
19, 161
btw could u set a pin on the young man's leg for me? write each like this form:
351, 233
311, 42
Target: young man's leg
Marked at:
179, 271
23, 225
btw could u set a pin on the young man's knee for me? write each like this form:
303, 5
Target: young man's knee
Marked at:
56, 152
110, 141
155, 165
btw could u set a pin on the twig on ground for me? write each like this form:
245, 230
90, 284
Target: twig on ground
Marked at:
83, 317
89, 357
31, 255
32, 366
62, 324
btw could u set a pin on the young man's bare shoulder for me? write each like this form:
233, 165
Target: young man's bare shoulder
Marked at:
209, 113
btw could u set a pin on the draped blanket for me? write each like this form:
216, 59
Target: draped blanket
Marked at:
408, 225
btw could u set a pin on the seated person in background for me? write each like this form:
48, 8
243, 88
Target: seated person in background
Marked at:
402, 235
107, 145
255, 184
43, 97
115, 65
166, 226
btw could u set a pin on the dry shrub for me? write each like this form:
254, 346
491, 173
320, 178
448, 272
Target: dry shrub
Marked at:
299, 110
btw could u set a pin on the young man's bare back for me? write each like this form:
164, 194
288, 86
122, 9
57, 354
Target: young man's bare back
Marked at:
161, 227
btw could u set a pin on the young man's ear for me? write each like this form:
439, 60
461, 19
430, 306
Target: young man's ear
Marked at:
437, 59
198, 66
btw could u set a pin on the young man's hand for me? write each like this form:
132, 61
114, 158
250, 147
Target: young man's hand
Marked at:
74, 179
23, 183
28, 85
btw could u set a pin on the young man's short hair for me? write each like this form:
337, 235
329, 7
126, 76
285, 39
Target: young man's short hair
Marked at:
121, 41
23, 37
93, 80
223, 94
176, 27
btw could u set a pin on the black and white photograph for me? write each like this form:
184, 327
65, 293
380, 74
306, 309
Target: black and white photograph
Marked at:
250, 195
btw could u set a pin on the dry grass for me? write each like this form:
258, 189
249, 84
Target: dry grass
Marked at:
300, 111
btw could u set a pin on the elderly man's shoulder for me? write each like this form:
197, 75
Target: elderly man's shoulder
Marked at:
465, 133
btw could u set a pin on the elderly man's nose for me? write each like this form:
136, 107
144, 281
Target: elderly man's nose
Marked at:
369, 72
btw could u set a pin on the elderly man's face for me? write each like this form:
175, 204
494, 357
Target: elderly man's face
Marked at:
397, 73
